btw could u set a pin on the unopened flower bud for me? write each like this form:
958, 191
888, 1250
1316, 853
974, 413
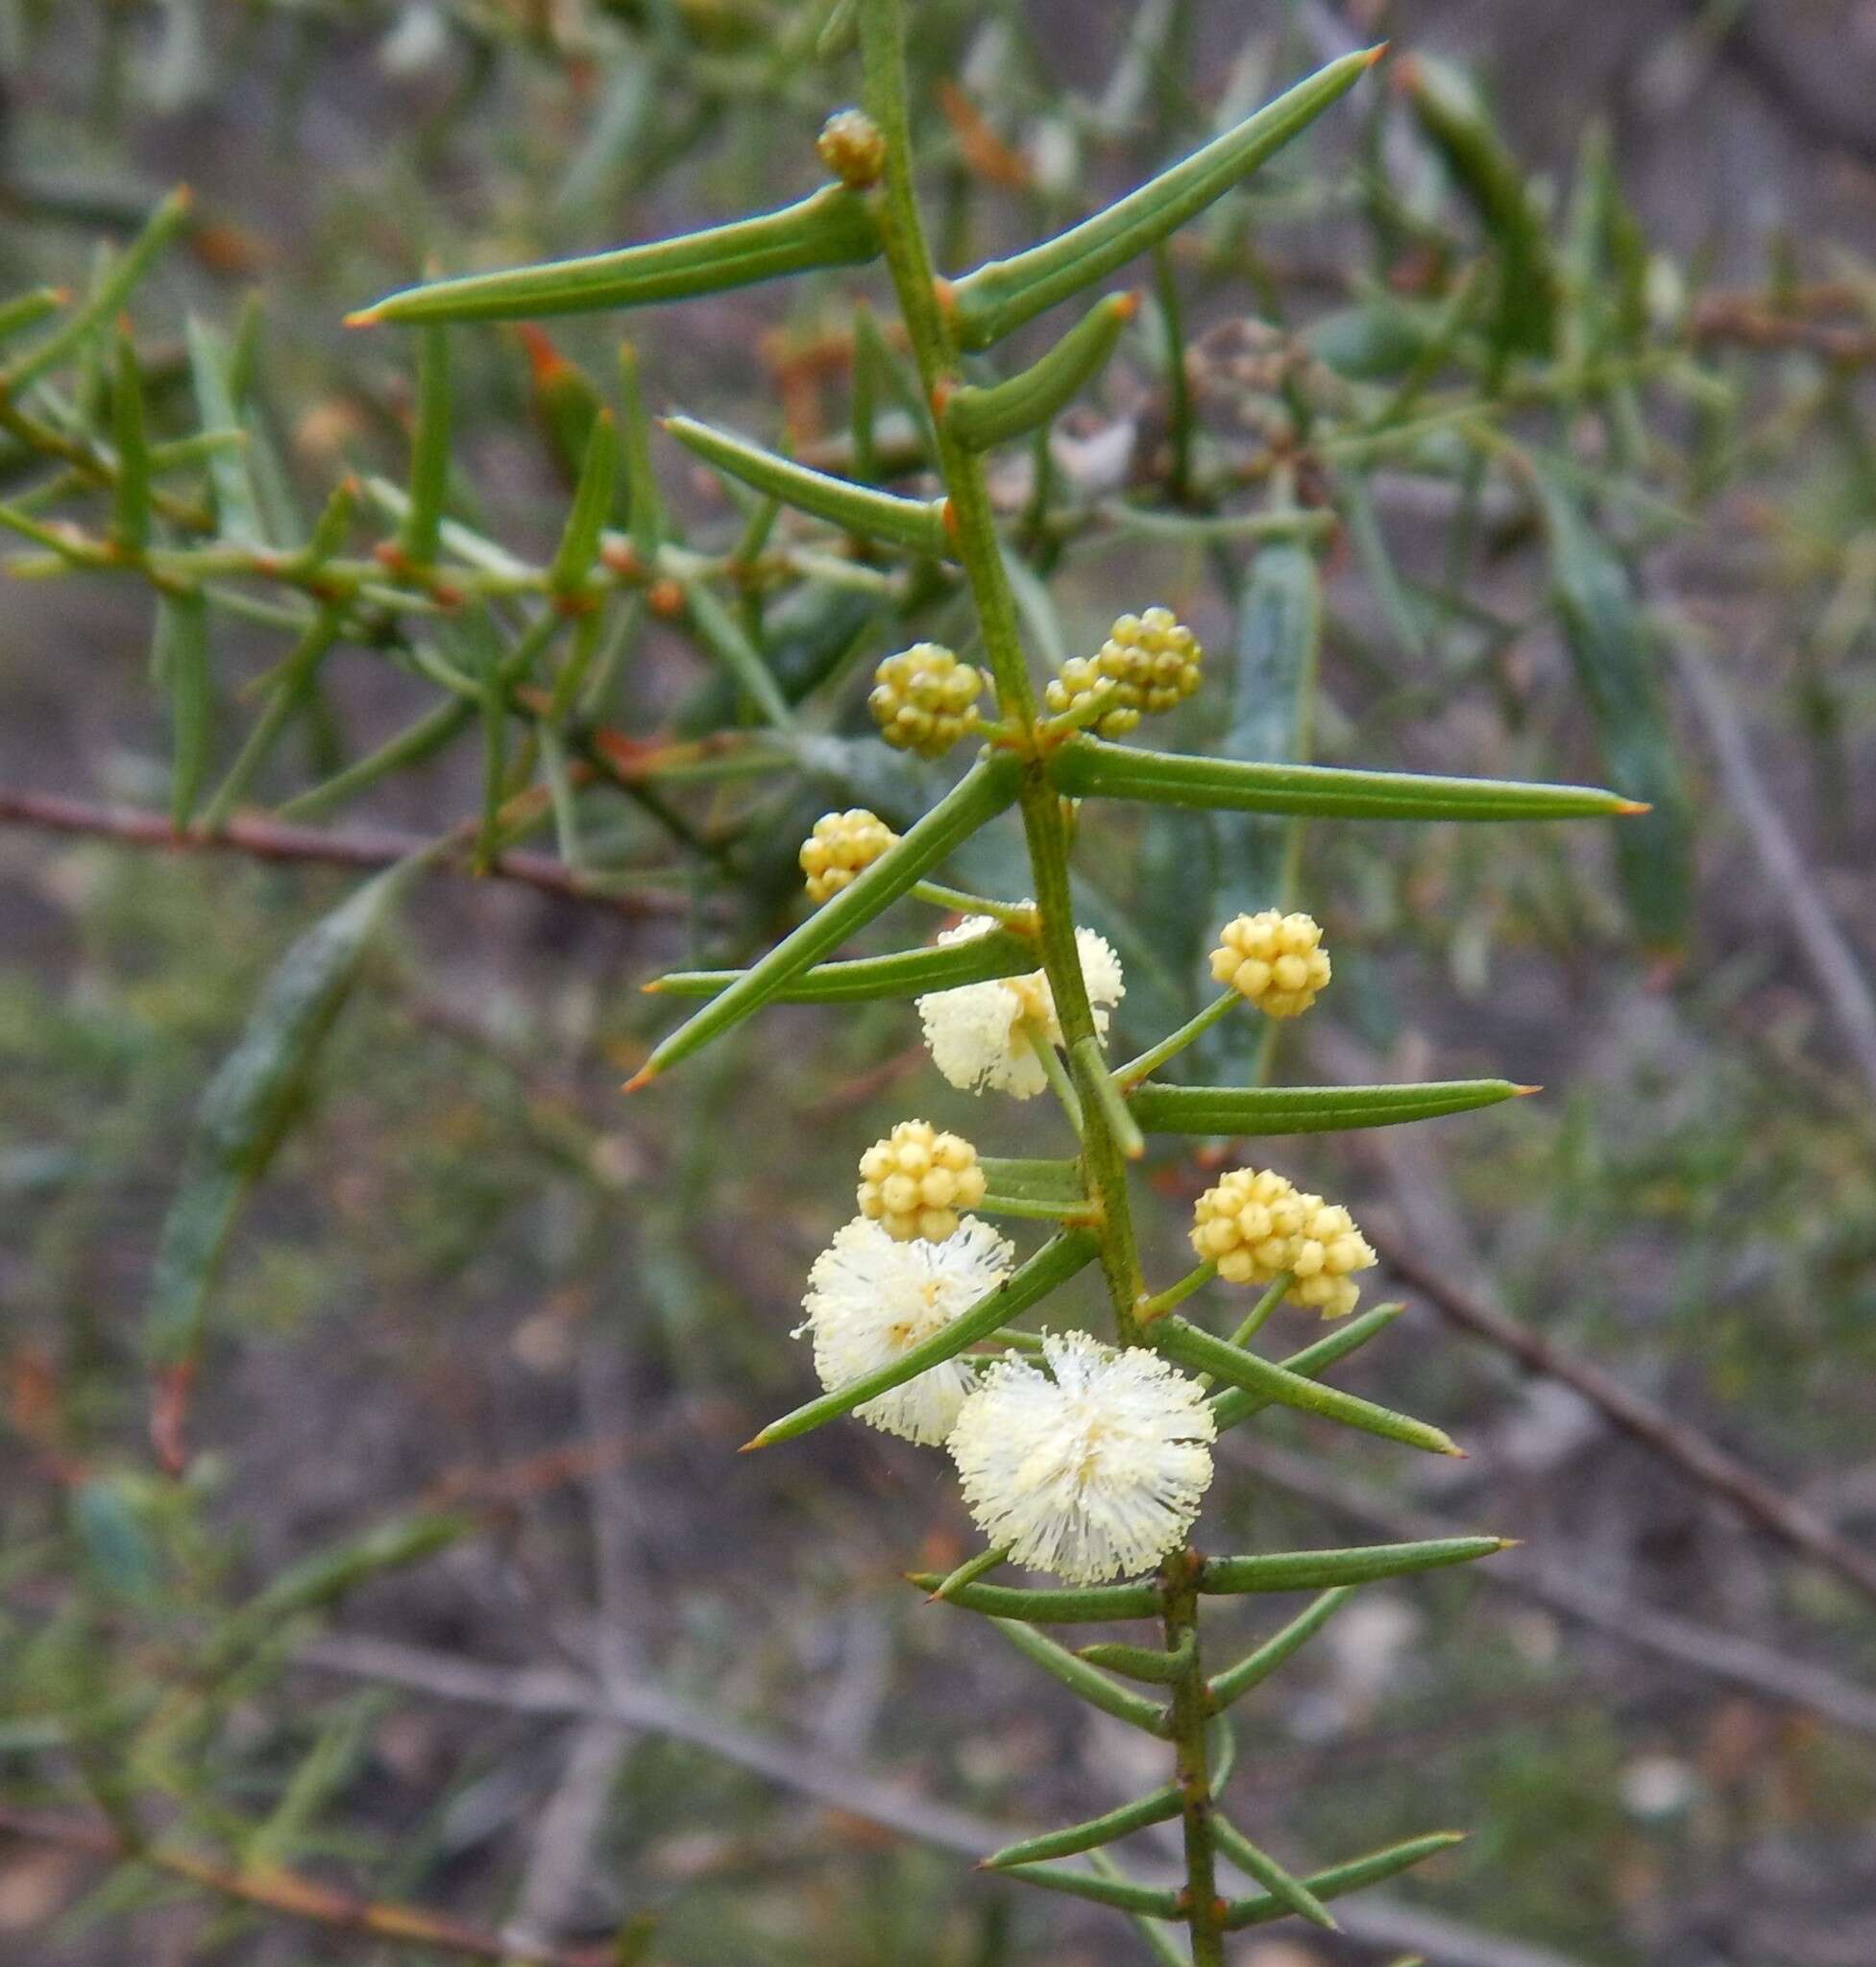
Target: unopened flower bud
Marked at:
1255, 1225
914, 1182
1150, 663
842, 845
852, 148
924, 699
1272, 960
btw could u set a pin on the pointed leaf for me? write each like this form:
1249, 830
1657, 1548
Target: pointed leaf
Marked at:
1617, 660
237, 511
1151, 1665
1256, 1666
592, 496
1087, 1682
1054, 1264
1064, 1605
1236, 1403
831, 226
1295, 1896
1485, 170
1002, 294
1307, 1110
105, 300
1204, 1353
250, 1104
180, 658
983, 793
319, 1580
1090, 767
1345, 1877
1279, 620
1307, 1570
917, 525
979, 417
1074, 1838
1151, 1900
131, 501
29, 309
723, 635
429, 451
905, 973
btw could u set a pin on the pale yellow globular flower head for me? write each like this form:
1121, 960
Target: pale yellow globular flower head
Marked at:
924, 699
1254, 1225
1274, 961
841, 846
1093, 1469
1151, 662
871, 1300
982, 1036
914, 1182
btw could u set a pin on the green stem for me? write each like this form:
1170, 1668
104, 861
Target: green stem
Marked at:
1150, 1308
1059, 1084
1129, 1076
1017, 915
972, 528
1203, 1908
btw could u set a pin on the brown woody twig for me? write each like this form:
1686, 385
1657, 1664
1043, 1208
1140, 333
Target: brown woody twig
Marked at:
273, 1889
273, 839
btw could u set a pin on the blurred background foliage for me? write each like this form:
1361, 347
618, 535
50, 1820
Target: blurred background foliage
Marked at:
1564, 330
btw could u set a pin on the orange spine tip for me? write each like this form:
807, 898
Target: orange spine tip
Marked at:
362, 317
1375, 53
1521, 1092
1458, 1453
1628, 808
1511, 1543
751, 1445
640, 1079
1128, 304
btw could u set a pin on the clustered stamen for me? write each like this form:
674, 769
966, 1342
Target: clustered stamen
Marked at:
914, 1182
984, 1036
924, 699
1274, 961
1150, 663
841, 846
1093, 1469
871, 1301
1255, 1224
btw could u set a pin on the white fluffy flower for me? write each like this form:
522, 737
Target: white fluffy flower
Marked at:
979, 1034
1093, 1474
871, 1300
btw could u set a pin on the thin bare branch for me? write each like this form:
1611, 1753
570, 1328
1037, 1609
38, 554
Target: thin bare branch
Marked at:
1833, 962
1761, 1669
271, 840
1702, 1460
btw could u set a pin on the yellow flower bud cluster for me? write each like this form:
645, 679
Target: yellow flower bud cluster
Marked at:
1255, 1224
1275, 960
842, 845
852, 148
914, 1182
924, 699
1150, 662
